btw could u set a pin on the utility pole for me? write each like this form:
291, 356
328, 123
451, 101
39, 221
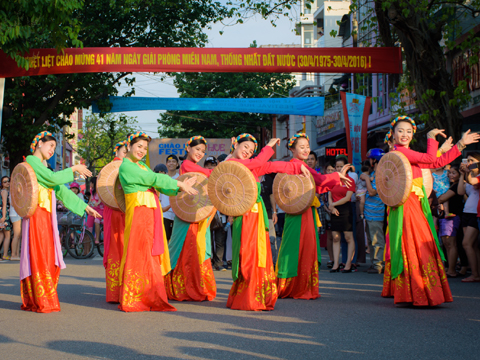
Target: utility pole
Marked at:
64, 143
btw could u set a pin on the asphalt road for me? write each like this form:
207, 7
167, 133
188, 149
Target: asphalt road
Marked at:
350, 321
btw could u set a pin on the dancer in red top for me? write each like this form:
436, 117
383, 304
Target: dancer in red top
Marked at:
299, 254
254, 286
414, 271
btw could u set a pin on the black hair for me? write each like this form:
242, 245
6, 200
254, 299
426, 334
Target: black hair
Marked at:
247, 138
455, 167
138, 138
314, 155
45, 139
221, 157
1, 181
365, 168
197, 142
295, 142
341, 158
327, 165
475, 155
94, 182
48, 138
401, 120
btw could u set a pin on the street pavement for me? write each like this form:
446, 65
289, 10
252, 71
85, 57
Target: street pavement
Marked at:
350, 321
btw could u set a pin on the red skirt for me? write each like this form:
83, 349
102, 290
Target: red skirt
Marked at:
142, 288
39, 290
189, 280
423, 281
255, 288
305, 284
114, 256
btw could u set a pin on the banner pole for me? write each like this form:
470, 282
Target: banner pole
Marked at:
2, 94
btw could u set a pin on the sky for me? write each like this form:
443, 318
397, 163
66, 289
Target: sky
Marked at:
239, 36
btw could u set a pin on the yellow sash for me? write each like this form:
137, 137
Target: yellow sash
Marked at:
316, 203
261, 237
417, 187
201, 243
142, 198
45, 198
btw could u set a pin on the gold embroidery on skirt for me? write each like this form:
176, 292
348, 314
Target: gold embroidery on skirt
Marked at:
241, 286
268, 287
206, 273
178, 281
133, 288
112, 275
430, 274
441, 269
313, 277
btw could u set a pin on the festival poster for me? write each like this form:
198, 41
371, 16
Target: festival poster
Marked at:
356, 109
160, 149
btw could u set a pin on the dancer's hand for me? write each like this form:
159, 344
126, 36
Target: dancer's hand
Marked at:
432, 134
470, 138
305, 172
345, 180
92, 212
273, 142
447, 145
186, 186
82, 170
345, 169
335, 212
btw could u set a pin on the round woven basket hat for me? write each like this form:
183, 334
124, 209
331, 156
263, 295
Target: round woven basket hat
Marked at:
24, 190
106, 184
119, 195
394, 179
232, 188
193, 208
427, 181
294, 194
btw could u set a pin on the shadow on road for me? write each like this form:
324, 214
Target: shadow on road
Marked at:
100, 350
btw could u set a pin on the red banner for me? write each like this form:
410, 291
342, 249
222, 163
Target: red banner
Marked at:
269, 60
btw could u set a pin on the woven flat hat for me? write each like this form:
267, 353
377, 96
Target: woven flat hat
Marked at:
24, 190
232, 188
394, 179
427, 181
193, 208
294, 194
106, 184
119, 195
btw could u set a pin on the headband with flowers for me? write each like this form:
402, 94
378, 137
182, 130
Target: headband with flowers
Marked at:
198, 137
241, 136
138, 134
392, 124
119, 145
37, 137
295, 137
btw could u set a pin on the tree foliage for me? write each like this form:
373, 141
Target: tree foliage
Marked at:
99, 136
25, 24
39, 102
431, 33
268, 9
